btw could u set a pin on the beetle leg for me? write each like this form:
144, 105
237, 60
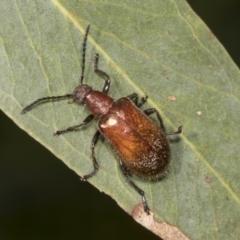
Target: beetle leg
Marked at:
88, 119
134, 98
95, 163
100, 73
125, 169
153, 110
140, 191
177, 132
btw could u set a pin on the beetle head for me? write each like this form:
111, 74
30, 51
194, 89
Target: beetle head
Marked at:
80, 92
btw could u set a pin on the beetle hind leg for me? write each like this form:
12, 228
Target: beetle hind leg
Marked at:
126, 174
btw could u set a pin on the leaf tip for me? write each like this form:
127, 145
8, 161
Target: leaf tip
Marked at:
161, 229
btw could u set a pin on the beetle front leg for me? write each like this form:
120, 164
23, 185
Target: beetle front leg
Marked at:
139, 191
101, 73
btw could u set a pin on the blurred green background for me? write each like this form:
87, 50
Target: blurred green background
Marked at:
40, 198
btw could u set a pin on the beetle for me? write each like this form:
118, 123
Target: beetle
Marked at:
140, 144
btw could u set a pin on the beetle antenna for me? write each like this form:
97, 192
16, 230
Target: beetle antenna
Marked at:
84, 52
27, 108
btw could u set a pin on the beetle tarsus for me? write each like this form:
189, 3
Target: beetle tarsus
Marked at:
145, 206
179, 131
86, 177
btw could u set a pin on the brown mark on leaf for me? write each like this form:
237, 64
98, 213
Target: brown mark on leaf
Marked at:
208, 179
161, 229
171, 98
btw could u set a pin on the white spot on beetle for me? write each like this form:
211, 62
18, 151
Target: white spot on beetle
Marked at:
111, 122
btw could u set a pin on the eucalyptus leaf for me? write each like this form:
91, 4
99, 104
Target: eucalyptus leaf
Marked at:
155, 48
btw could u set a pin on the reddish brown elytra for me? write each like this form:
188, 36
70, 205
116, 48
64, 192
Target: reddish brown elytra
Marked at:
141, 144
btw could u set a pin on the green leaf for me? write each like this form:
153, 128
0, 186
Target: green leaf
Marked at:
158, 48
